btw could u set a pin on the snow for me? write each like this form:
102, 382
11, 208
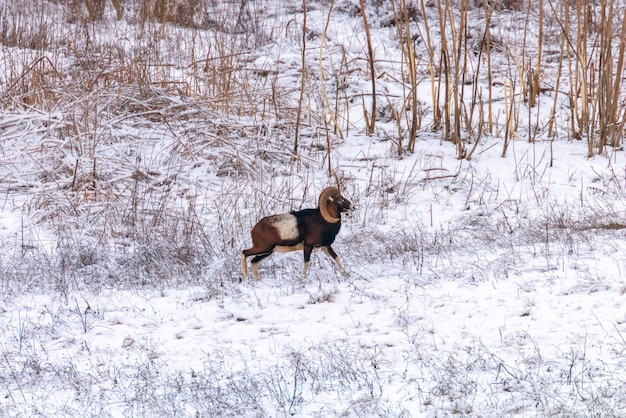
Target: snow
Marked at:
488, 287
481, 326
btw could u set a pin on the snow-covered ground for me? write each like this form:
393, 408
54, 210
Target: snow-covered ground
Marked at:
488, 287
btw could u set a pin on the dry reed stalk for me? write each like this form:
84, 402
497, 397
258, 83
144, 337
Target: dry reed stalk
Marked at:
617, 88
303, 84
609, 82
323, 82
459, 76
431, 71
341, 83
601, 100
454, 69
413, 79
520, 56
534, 86
598, 108
489, 72
399, 25
509, 108
572, 75
371, 123
582, 29
476, 95
559, 72
445, 67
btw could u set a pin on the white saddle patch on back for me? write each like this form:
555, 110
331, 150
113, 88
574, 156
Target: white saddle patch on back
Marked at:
287, 226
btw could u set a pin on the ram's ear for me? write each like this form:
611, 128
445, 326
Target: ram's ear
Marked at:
328, 206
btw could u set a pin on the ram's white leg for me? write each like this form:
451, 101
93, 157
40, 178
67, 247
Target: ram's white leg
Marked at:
255, 270
304, 270
332, 254
343, 271
244, 267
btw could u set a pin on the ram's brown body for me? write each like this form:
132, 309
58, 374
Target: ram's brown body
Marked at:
305, 230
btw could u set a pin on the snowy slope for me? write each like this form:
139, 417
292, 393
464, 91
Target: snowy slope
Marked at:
488, 287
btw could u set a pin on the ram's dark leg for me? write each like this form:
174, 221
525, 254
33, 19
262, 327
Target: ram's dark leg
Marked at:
254, 263
308, 249
259, 254
332, 254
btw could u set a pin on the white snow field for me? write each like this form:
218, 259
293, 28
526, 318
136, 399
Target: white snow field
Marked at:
136, 154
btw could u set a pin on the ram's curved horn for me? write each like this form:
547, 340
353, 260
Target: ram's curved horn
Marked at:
328, 198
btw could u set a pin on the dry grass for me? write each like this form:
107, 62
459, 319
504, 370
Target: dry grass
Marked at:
107, 94
144, 137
